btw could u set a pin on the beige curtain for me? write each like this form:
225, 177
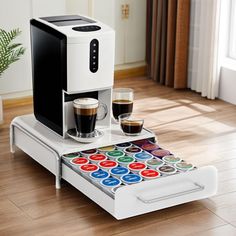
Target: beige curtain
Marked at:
167, 41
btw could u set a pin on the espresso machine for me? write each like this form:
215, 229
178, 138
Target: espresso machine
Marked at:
72, 57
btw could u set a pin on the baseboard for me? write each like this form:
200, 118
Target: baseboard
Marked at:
131, 72
16, 102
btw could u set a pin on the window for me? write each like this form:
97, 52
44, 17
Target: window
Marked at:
232, 31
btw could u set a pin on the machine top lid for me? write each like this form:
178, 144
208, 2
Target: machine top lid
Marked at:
78, 29
67, 20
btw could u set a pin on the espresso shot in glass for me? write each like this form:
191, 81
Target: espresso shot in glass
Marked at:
131, 124
122, 101
85, 113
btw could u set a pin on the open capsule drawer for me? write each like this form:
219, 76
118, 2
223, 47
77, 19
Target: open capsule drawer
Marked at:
177, 182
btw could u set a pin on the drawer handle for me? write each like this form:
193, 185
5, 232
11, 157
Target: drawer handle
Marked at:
197, 188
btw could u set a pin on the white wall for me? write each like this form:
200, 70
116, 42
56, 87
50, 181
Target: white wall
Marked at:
227, 91
16, 80
16, 14
81, 7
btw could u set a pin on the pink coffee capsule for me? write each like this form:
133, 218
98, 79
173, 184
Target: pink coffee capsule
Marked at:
160, 153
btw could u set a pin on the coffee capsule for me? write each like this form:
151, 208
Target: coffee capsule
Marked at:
88, 168
140, 142
171, 159
108, 164
184, 166
167, 170
122, 146
154, 163
131, 179
99, 175
89, 152
71, 155
149, 146
136, 167
149, 174
106, 149
68, 157
160, 153
125, 160
143, 156
110, 182
132, 150
119, 171
95, 158
78, 161
115, 154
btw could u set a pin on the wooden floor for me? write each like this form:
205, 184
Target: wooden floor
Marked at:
198, 130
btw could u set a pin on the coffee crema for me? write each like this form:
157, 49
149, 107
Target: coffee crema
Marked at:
85, 112
121, 106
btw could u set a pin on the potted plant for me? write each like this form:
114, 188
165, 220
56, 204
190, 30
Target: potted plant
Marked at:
9, 53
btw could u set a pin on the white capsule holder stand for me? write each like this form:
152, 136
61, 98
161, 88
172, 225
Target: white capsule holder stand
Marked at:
46, 148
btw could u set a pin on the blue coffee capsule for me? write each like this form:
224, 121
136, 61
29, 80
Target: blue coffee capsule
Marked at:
119, 171
131, 178
143, 156
99, 175
110, 182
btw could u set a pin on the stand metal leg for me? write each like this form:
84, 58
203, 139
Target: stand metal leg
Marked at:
12, 145
58, 173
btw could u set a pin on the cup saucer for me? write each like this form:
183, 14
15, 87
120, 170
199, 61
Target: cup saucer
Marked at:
96, 135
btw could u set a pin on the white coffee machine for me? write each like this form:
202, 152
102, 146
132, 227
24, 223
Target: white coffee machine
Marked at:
72, 57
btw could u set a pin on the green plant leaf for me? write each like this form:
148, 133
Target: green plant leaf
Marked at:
9, 52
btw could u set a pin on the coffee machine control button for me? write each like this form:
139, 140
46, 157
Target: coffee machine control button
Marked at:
87, 28
94, 47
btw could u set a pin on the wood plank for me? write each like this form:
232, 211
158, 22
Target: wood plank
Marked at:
182, 225
228, 230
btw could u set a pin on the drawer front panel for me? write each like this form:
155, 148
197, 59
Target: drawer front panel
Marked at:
165, 192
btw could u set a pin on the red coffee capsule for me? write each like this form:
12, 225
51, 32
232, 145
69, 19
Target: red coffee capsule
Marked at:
97, 157
79, 161
88, 168
107, 164
137, 166
149, 174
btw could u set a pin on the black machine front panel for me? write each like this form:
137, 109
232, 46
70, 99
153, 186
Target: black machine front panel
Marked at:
94, 52
48, 48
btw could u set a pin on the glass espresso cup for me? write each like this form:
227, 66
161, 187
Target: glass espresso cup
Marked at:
85, 113
131, 124
122, 101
